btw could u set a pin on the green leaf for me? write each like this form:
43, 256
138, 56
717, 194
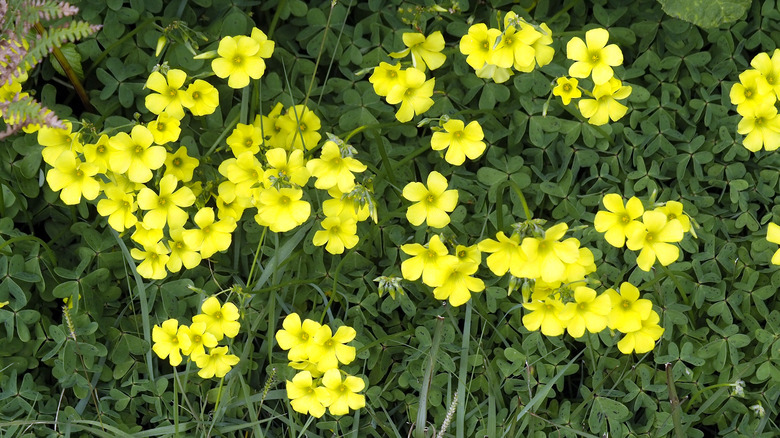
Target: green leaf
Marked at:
73, 57
706, 13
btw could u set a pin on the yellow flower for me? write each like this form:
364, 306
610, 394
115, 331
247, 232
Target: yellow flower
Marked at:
154, 257
266, 46
216, 363
343, 394
229, 203
181, 253
220, 320
170, 98
282, 209
286, 169
542, 46
211, 236
245, 172
306, 396
498, 74
385, 77
761, 127
338, 234
506, 255
567, 89
642, 340
334, 170
297, 337
769, 69
329, 348
413, 92
180, 165
146, 236
468, 255
426, 51
344, 204
460, 140
238, 61
628, 310
431, 203
653, 237
674, 211
432, 263
169, 340
55, 141
751, 92
588, 311
584, 265
166, 207
199, 339
617, 218
596, 57
773, 235
545, 315
458, 283
515, 49
302, 127
135, 154
477, 44
3, 304
547, 257
204, 97
274, 134
245, 138
119, 207
74, 177
604, 106
165, 129
98, 153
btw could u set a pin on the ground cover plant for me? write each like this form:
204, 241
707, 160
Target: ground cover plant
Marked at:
389, 218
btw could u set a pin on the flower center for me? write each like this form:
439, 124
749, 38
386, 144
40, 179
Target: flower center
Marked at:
284, 200
237, 60
566, 87
172, 92
430, 198
177, 162
161, 126
195, 95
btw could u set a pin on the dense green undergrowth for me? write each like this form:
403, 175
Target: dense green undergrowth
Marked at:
77, 329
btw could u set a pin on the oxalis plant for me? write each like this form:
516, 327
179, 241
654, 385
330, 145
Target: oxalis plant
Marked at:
384, 218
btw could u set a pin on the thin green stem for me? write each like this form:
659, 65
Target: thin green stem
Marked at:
228, 128
695, 397
335, 283
275, 20
175, 404
362, 128
319, 54
249, 279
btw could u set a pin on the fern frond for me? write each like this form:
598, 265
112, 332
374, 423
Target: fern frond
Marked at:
12, 52
24, 111
43, 45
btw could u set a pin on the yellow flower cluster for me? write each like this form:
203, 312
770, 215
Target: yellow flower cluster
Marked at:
494, 53
297, 128
349, 202
172, 340
316, 352
755, 96
450, 275
555, 310
595, 58
653, 235
410, 87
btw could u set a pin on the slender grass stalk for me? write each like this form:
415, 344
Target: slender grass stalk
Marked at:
422, 405
675, 402
460, 415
